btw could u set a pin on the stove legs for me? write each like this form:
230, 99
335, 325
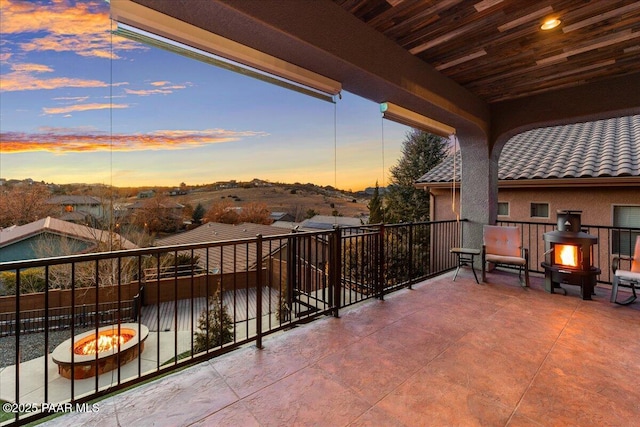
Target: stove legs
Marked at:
587, 282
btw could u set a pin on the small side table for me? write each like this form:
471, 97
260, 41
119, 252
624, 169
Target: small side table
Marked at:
465, 258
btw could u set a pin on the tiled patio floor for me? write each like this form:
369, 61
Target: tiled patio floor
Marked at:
446, 353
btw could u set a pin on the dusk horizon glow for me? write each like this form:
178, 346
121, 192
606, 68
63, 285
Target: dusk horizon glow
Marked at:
82, 105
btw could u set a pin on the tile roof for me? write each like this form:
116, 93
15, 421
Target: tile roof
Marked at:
326, 222
603, 148
240, 260
57, 226
73, 200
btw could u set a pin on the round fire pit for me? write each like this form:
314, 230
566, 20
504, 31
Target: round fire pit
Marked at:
82, 351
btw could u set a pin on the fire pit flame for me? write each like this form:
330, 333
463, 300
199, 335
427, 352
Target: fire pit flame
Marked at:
105, 342
568, 255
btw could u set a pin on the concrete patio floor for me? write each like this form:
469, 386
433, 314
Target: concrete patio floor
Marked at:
445, 353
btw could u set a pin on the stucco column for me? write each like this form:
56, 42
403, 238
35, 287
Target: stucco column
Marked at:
479, 188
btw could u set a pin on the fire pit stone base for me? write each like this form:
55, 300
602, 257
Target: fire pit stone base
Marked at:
87, 366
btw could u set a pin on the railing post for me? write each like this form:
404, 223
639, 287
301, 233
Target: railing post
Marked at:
335, 269
381, 262
259, 291
410, 244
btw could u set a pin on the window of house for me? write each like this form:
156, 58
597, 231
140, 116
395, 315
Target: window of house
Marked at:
623, 239
503, 208
539, 210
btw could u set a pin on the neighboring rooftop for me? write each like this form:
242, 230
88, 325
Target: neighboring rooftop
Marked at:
326, 222
217, 232
15, 233
598, 149
73, 200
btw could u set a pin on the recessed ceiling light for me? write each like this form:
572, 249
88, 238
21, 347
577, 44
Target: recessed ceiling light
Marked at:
550, 24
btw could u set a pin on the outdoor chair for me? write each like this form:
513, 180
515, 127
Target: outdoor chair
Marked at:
503, 246
630, 278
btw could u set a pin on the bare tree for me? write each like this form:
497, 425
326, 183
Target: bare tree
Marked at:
23, 204
256, 212
84, 274
224, 212
158, 214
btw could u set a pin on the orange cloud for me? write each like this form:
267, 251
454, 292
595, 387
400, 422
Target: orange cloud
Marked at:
82, 107
83, 28
25, 80
24, 76
62, 140
162, 83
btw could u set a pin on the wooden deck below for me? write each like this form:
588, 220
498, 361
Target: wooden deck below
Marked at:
188, 311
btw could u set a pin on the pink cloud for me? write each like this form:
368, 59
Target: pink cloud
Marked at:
82, 107
61, 140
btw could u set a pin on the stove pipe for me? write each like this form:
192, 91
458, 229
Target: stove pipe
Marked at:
569, 221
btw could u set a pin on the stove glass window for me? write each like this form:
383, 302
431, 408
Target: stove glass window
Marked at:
566, 255
539, 210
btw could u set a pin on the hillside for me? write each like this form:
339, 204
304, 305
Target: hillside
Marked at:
296, 200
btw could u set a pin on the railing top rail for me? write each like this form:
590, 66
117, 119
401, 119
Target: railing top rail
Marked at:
42, 262
606, 227
401, 224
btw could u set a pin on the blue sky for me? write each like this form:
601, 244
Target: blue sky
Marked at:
78, 104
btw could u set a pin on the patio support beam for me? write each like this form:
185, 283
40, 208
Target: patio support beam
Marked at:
478, 189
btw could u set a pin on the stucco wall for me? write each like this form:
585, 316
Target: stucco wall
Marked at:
596, 203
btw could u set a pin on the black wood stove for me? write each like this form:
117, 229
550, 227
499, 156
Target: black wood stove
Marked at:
568, 256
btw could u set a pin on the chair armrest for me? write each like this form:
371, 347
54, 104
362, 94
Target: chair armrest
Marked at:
615, 261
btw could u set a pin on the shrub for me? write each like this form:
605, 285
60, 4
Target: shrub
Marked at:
31, 280
215, 326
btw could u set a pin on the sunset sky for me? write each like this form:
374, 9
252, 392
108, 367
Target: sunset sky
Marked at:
78, 104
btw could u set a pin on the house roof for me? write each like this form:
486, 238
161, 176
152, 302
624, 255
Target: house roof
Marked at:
73, 200
15, 234
326, 222
598, 149
229, 260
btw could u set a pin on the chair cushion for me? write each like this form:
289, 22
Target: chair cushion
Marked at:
501, 259
504, 241
635, 264
629, 275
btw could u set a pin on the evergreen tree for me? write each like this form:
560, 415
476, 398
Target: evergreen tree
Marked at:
215, 326
376, 215
198, 214
421, 151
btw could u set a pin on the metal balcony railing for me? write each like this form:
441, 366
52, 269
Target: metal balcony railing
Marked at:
228, 294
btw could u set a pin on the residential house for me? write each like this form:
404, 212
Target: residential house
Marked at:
146, 194
85, 210
50, 237
216, 232
310, 255
327, 222
282, 216
593, 167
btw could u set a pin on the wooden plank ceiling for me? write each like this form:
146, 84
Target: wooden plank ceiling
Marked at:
496, 49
